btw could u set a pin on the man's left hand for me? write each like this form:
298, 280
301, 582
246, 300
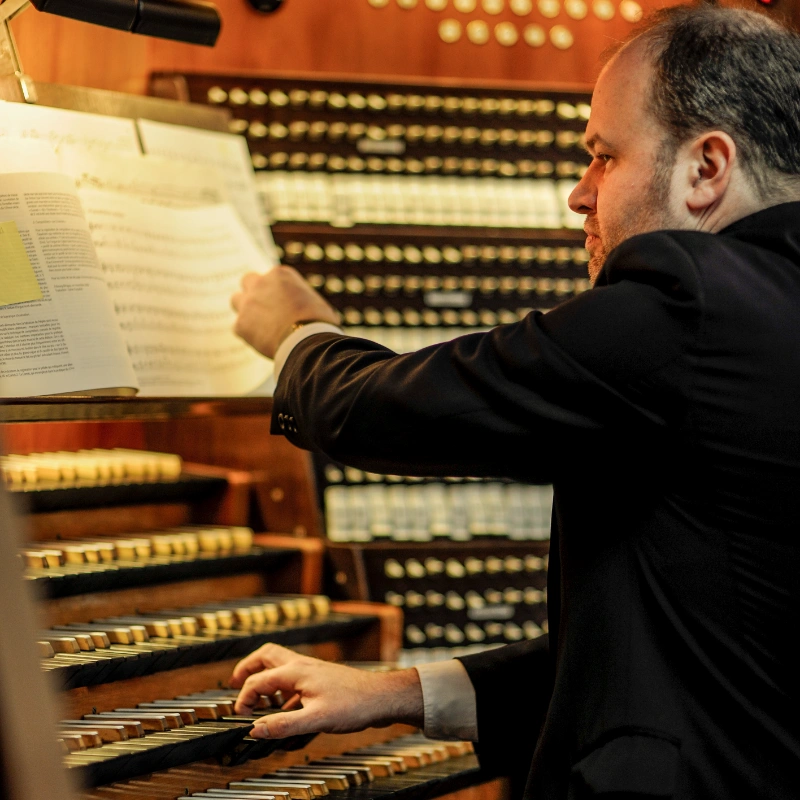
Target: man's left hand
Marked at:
270, 304
333, 698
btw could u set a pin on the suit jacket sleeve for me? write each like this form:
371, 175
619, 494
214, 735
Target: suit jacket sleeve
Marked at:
512, 690
521, 401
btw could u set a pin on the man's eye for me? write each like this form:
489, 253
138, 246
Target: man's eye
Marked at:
604, 157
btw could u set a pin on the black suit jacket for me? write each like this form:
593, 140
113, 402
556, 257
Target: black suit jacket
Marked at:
664, 405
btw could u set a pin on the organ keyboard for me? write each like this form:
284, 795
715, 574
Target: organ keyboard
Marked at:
96, 465
405, 766
125, 646
63, 568
126, 741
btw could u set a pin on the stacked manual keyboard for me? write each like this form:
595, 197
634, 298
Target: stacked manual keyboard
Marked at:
120, 647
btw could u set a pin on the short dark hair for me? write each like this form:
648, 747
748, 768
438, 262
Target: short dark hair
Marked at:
733, 70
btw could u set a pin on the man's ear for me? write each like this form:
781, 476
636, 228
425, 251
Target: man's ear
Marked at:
710, 160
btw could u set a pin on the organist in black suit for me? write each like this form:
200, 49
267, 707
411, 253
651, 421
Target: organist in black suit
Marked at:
664, 406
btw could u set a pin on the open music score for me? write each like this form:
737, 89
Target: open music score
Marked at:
135, 259
56, 128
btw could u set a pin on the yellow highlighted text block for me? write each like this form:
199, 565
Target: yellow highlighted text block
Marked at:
18, 282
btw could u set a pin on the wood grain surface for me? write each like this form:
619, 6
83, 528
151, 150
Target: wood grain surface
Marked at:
345, 36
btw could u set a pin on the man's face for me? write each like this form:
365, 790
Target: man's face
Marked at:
622, 192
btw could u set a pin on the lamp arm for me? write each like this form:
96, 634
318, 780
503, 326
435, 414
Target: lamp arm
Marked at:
10, 8
10, 64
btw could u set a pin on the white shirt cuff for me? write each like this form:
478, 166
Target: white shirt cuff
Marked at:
294, 338
448, 700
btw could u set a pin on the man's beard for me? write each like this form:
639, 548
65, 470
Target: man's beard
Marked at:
652, 215
643, 220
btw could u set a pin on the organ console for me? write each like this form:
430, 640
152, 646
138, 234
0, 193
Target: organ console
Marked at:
164, 538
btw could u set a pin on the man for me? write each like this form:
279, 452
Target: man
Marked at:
664, 405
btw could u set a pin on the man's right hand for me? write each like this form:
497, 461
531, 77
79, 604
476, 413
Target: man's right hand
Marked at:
334, 698
269, 304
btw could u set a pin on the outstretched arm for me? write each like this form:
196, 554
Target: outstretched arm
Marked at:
597, 375
333, 698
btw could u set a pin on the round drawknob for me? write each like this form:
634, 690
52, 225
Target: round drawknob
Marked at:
513, 596
494, 565
434, 599
531, 630
414, 569
414, 599
474, 632
474, 565
494, 629
493, 596
434, 566
434, 631
533, 596
393, 568
454, 569
454, 601
534, 563
415, 635
395, 599
453, 634
513, 632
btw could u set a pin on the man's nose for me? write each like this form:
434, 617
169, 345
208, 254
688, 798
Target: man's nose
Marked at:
583, 198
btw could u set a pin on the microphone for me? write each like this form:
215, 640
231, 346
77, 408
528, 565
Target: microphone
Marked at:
191, 21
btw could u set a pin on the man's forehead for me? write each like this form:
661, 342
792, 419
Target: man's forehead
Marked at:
626, 77
619, 102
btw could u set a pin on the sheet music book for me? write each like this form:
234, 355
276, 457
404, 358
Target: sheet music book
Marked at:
223, 152
149, 178
134, 258
57, 127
